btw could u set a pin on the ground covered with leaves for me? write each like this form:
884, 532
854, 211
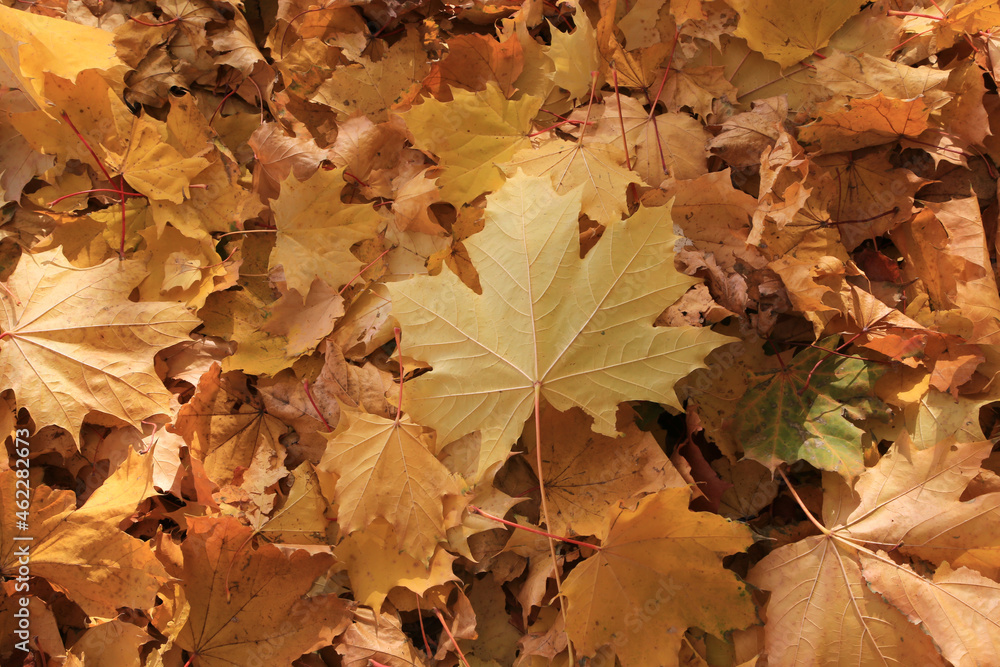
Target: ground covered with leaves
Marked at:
614, 332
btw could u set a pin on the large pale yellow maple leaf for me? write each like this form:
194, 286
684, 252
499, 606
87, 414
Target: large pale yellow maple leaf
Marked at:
73, 343
579, 331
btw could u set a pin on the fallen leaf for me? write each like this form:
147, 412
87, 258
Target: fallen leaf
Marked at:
64, 358
387, 469
456, 331
628, 594
244, 601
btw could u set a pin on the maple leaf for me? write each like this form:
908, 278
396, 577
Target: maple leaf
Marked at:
569, 164
19, 162
592, 350
81, 551
374, 637
649, 557
371, 88
787, 32
801, 411
830, 168
958, 608
669, 144
475, 60
869, 196
866, 122
586, 474
316, 231
154, 167
31, 45
64, 358
180, 267
262, 607
226, 431
301, 517
304, 321
575, 58
375, 568
116, 640
912, 498
240, 317
945, 246
822, 613
486, 129
897, 503
386, 469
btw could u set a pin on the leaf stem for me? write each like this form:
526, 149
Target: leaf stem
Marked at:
423, 633
663, 81
621, 122
590, 106
568, 540
399, 353
92, 190
544, 496
121, 187
809, 515
893, 12
305, 384
247, 231
451, 637
154, 25
891, 211
365, 268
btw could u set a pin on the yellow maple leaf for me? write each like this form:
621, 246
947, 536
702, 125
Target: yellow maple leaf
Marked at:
180, 268
594, 166
836, 601
375, 568
239, 316
82, 551
786, 31
31, 45
578, 331
73, 342
470, 135
154, 167
316, 231
633, 594
575, 58
371, 87
386, 469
